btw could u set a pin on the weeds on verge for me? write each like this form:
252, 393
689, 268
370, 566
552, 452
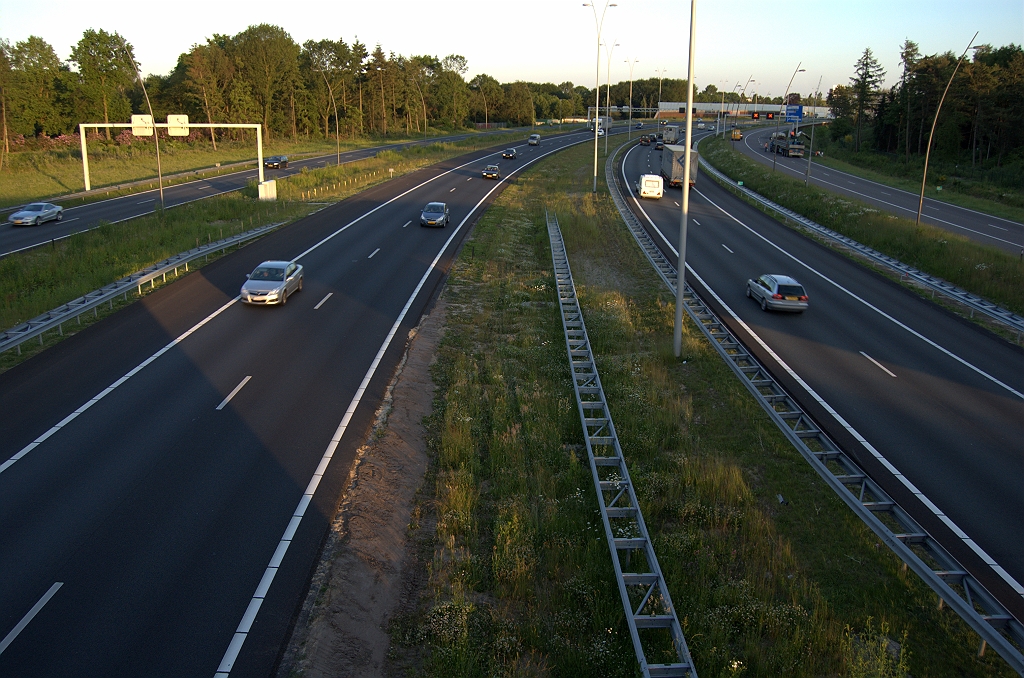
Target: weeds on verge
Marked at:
520, 580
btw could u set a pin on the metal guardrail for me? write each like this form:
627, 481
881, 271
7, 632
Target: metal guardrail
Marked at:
972, 301
644, 594
880, 512
55, 319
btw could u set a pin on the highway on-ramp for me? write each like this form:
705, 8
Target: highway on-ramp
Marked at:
881, 369
168, 475
113, 210
983, 228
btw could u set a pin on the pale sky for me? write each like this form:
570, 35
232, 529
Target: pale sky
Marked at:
555, 40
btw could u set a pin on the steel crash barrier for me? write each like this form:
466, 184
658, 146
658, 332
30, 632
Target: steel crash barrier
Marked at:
918, 550
935, 284
55, 319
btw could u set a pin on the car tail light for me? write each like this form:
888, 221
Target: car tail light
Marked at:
803, 298
776, 296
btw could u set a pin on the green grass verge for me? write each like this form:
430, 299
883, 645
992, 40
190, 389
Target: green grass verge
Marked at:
36, 281
518, 578
46, 174
337, 182
983, 270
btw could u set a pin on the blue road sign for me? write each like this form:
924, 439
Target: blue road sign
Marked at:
794, 112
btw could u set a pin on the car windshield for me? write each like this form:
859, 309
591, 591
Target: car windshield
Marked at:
791, 290
434, 208
492, 167
268, 273
34, 208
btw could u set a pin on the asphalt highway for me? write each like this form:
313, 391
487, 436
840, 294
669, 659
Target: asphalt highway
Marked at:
982, 228
168, 475
884, 372
88, 216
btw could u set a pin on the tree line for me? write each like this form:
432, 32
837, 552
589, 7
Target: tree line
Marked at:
318, 88
982, 118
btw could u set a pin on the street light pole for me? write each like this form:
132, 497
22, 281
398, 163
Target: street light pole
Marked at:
597, 75
928, 149
661, 74
608, 93
629, 130
677, 338
739, 105
785, 97
817, 92
156, 132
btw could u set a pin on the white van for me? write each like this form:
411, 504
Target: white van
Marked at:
534, 140
650, 186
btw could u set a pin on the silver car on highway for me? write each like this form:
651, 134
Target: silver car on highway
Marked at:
36, 213
778, 293
272, 282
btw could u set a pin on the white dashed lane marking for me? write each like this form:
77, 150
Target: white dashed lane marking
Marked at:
234, 392
878, 364
373, 252
727, 249
324, 300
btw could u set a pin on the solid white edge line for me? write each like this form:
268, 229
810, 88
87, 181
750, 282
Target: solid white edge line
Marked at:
95, 399
871, 306
1006, 576
234, 392
878, 364
322, 301
29, 616
231, 654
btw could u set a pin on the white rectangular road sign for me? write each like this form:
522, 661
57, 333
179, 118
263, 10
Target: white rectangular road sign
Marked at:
177, 125
142, 125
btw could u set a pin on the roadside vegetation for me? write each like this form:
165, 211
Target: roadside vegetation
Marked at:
517, 577
36, 281
340, 181
986, 271
972, 192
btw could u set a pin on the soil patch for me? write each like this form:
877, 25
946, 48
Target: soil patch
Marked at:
342, 628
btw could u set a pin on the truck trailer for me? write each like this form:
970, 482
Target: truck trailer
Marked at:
672, 133
781, 142
603, 122
672, 159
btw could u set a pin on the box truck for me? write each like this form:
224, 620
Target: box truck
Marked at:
672, 159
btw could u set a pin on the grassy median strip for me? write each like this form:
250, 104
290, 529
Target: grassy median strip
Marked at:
986, 271
340, 181
39, 280
517, 575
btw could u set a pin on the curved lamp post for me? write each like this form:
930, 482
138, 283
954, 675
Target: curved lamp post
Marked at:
598, 24
928, 149
785, 97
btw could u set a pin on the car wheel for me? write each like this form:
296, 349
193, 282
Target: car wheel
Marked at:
764, 304
60, 215
36, 222
284, 296
300, 284
748, 291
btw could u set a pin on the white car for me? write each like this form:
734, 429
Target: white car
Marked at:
272, 282
534, 140
778, 293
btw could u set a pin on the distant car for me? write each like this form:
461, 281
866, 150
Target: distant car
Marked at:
272, 282
492, 172
701, 125
276, 162
659, 145
639, 125
534, 140
778, 293
509, 154
645, 140
36, 213
600, 132
435, 214
711, 128
663, 122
